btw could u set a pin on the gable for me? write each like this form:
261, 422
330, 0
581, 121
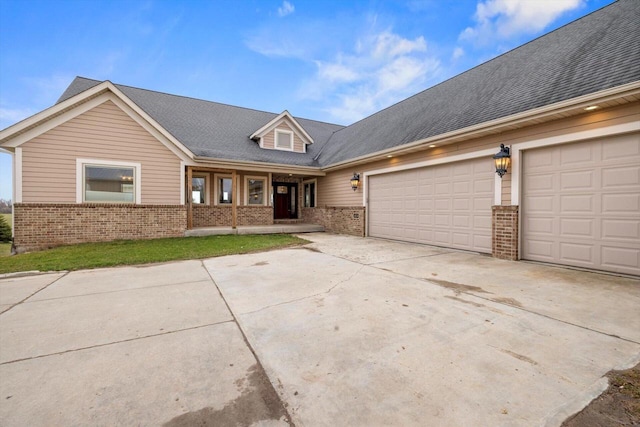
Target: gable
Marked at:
105, 133
283, 133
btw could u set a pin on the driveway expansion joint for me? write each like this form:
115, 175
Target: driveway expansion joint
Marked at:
39, 290
328, 291
73, 350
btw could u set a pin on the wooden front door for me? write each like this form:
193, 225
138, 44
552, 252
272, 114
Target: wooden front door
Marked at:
285, 200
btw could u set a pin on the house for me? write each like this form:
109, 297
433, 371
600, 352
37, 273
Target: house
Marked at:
109, 161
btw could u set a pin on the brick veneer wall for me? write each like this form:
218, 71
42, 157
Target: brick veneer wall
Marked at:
505, 232
45, 225
220, 216
255, 215
338, 219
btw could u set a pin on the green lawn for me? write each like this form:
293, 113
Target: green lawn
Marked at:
128, 252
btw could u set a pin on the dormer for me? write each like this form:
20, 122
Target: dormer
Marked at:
283, 133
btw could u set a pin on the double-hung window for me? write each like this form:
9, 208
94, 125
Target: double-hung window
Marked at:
102, 181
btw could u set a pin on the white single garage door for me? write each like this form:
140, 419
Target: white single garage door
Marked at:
445, 205
581, 204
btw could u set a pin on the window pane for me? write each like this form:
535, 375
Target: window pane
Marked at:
198, 189
108, 184
284, 140
256, 192
310, 195
224, 190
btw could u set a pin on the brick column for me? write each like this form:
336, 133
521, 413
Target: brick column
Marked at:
505, 232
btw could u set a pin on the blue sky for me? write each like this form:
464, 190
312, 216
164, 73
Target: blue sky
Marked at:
335, 61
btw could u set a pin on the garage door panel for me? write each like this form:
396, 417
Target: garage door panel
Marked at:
578, 253
461, 221
446, 205
541, 249
614, 178
622, 148
482, 204
578, 154
621, 229
577, 180
539, 225
581, 203
483, 185
621, 203
540, 160
539, 183
585, 211
482, 223
617, 258
577, 227
539, 204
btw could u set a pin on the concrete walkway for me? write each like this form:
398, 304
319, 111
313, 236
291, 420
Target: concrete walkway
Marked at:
255, 229
349, 331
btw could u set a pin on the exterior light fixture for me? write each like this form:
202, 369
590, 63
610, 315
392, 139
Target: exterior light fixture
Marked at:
355, 181
591, 108
502, 159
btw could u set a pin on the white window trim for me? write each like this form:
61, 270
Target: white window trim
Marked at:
217, 177
315, 193
207, 188
246, 189
137, 177
275, 139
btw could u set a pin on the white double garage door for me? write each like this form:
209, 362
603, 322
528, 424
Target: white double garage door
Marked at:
580, 204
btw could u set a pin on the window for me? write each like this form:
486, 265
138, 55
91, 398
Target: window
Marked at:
310, 194
255, 190
199, 188
284, 140
103, 181
225, 190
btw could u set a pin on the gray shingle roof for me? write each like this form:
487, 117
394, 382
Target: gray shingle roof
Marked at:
215, 130
594, 53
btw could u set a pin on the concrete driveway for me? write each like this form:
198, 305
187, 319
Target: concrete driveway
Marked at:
344, 331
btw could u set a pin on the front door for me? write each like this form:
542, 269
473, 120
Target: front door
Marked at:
285, 200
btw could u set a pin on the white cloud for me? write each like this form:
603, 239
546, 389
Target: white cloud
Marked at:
286, 8
10, 116
458, 52
501, 19
382, 69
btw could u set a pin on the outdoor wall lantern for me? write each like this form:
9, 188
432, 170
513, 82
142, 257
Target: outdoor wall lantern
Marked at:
355, 181
502, 159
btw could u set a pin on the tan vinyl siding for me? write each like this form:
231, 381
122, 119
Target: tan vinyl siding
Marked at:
334, 188
268, 140
102, 133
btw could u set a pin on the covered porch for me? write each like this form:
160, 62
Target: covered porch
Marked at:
253, 201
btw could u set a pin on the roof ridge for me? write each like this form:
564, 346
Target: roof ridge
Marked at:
206, 100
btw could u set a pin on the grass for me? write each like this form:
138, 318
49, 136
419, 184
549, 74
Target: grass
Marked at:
130, 252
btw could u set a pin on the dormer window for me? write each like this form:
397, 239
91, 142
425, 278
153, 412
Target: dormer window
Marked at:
284, 140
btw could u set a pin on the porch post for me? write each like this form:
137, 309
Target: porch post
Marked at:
234, 201
189, 198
